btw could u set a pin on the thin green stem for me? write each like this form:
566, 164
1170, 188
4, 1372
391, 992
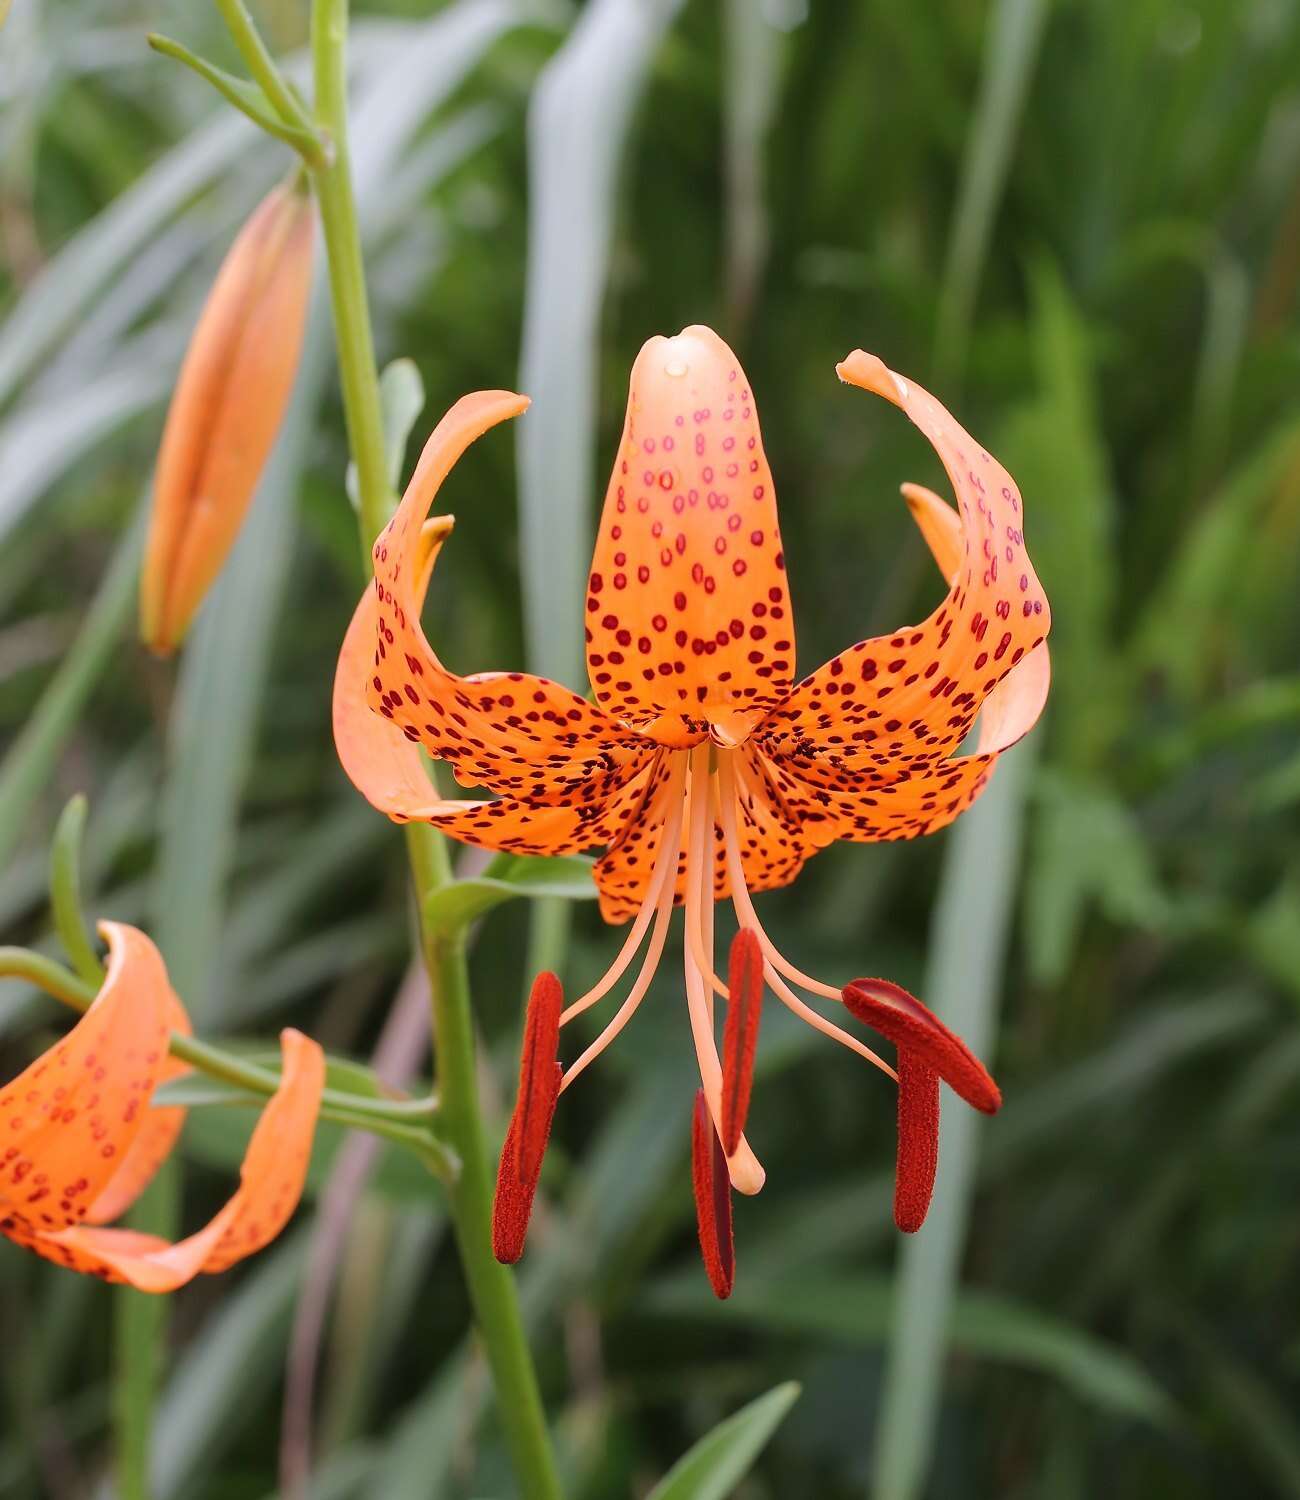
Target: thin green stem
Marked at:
491, 1285
262, 66
358, 373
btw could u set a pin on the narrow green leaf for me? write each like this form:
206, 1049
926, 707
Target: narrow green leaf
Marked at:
247, 97
401, 392
713, 1468
963, 984
227, 1370
452, 907
65, 892
1014, 33
43, 439
861, 1310
34, 754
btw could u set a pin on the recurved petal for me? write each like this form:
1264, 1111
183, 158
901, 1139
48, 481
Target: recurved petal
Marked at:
229, 401
907, 700
521, 736
689, 630
154, 1140
69, 1122
270, 1185
387, 767
888, 795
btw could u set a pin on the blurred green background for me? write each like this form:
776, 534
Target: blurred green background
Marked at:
1079, 223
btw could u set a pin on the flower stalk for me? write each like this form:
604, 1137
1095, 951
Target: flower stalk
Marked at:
491, 1285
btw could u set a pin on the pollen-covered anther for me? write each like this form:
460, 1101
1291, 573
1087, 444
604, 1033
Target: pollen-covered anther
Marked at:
918, 1141
537, 1094
927, 1052
712, 1187
740, 1039
530, 1125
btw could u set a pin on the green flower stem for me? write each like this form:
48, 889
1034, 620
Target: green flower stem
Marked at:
491, 1286
358, 373
262, 66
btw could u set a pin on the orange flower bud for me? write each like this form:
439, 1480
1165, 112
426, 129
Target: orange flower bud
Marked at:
233, 388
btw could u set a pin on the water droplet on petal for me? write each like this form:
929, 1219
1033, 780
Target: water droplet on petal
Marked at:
676, 368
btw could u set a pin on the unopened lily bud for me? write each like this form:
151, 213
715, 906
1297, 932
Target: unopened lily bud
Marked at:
230, 398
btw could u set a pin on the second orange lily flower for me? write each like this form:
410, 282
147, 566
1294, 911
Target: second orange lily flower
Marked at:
703, 770
80, 1140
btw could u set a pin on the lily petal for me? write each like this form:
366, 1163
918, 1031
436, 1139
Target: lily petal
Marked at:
68, 1123
387, 765
154, 1140
689, 629
271, 1183
940, 525
521, 736
901, 704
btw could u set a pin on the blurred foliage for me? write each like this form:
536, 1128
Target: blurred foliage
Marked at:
1133, 355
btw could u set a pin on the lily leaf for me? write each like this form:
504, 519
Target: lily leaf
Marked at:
247, 97
713, 1468
401, 395
451, 908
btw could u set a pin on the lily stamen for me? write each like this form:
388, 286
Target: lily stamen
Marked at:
665, 869
746, 916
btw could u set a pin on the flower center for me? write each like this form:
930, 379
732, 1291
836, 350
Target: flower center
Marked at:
698, 813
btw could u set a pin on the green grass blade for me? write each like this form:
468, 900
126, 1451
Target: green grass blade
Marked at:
33, 755
753, 54
1014, 33
721, 1459
861, 1310
963, 984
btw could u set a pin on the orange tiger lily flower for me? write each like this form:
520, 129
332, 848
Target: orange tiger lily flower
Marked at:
230, 399
703, 770
79, 1141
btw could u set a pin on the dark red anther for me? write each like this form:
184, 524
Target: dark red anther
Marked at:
918, 1141
530, 1125
927, 1052
513, 1206
740, 1039
535, 1103
712, 1188
912, 1027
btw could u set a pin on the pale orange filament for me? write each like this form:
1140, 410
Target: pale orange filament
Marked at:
625, 1012
775, 963
747, 1175
665, 871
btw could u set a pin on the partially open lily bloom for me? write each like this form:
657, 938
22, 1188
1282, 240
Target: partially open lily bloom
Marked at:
702, 769
79, 1141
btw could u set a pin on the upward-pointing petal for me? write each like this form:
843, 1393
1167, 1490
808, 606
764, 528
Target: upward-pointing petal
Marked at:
689, 631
